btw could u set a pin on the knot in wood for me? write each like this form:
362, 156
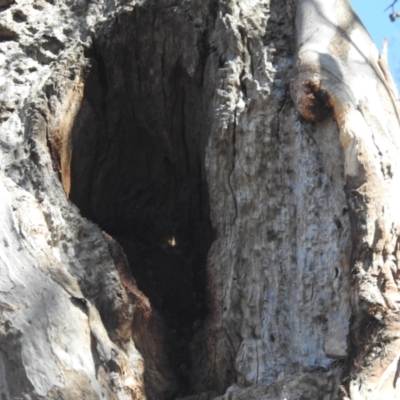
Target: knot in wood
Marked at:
313, 102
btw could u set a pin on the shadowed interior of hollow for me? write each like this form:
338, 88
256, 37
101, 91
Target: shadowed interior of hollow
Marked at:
137, 170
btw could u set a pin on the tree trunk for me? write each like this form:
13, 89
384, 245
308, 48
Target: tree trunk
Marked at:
198, 200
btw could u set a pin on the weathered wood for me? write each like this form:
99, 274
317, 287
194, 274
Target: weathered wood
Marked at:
244, 155
335, 59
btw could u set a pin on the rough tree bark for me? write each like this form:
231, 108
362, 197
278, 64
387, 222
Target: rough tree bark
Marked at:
199, 200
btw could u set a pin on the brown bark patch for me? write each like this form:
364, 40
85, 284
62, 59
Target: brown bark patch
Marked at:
316, 104
7, 34
60, 139
146, 329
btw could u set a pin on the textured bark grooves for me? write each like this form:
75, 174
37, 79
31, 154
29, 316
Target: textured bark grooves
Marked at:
247, 166
137, 166
368, 121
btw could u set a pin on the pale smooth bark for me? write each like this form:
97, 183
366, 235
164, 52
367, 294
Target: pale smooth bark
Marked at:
338, 64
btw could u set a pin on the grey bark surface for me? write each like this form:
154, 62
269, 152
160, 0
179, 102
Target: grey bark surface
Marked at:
198, 201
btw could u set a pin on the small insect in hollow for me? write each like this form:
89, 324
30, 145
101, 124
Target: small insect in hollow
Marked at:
172, 242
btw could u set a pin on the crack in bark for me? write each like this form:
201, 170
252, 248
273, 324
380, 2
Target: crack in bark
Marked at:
233, 167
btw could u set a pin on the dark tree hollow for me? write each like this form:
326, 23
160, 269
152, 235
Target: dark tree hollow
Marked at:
137, 167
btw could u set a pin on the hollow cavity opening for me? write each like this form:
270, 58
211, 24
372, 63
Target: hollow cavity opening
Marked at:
137, 170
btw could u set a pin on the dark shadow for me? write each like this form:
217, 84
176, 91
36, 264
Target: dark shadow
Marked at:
137, 169
397, 374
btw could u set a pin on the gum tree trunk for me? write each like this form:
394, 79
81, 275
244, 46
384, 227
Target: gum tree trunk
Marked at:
199, 200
